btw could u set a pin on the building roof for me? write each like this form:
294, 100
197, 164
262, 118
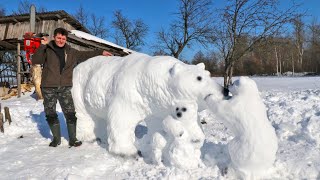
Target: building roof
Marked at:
54, 15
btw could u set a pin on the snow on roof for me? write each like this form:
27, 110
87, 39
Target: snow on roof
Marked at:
90, 37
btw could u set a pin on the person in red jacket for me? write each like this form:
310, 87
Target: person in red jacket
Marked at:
58, 60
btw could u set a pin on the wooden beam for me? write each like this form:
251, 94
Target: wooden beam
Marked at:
15, 20
7, 45
58, 16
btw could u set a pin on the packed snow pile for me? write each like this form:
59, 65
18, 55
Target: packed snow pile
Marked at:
254, 146
113, 95
292, 106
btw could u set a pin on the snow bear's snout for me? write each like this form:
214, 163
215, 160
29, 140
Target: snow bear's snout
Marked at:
207, 96
180, 111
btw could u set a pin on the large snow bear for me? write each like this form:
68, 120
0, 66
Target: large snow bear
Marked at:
113, 94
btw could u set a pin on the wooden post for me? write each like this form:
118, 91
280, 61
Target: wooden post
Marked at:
18, 70
1, 122
32, 18
7, 115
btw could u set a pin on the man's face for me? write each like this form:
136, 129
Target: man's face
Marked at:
60, 40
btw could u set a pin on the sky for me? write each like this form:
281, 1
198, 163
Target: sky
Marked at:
156, 14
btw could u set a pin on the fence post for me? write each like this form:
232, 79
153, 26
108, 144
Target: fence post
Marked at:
18, 70
7, 115
1, 121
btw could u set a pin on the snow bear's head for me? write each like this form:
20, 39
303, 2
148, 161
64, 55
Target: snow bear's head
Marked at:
193, 82
186, 112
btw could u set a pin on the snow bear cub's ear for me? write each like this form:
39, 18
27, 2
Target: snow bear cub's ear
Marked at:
193, 105
177, 67
201, 66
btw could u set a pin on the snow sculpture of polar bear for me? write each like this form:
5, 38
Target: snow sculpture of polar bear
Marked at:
254, 146
113, 94
183, 136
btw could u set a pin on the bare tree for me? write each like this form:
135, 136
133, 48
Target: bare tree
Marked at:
130, 33
2, 11
193, 24
257, 18
299, 36
314, 46
24, 8
210, 60
82, 15
98, 26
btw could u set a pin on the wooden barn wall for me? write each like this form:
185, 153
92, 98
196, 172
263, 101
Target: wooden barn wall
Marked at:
2, 30
17, 30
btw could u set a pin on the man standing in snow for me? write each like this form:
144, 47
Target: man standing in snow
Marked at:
58, 60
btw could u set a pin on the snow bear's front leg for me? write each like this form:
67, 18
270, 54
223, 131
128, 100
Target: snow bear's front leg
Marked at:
121, 124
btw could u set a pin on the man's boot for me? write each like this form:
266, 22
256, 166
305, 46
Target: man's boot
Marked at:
55, 129
73, 141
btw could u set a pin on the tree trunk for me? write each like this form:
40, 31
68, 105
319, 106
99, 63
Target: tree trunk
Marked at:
277, 60
292, 60
225, 78
228, 75
280, 67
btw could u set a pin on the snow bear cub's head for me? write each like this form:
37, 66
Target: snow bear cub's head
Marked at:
186, 112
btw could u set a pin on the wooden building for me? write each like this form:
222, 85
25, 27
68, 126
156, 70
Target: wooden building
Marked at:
13, 27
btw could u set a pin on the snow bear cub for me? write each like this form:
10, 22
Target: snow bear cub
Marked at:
183, 136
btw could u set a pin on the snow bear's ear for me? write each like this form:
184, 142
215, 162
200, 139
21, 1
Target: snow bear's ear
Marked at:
194, 105
201, 65
175, 69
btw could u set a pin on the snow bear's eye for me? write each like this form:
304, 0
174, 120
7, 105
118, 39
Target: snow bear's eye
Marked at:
177, 109
184, 109
199, 78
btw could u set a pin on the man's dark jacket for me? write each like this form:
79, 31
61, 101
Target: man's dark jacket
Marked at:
51, 76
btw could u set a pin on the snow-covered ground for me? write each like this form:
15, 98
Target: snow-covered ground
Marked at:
292, 107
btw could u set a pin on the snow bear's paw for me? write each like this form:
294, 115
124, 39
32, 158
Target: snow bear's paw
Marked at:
86, 135
126, 150
244, 85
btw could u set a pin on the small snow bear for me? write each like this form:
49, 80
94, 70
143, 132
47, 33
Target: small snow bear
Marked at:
184, 137
186, 112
